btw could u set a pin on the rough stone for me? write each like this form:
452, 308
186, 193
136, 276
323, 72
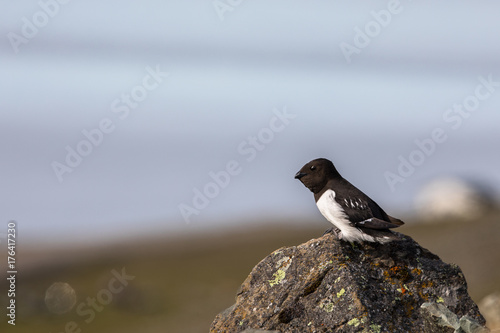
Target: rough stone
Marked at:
327, 285
437, 316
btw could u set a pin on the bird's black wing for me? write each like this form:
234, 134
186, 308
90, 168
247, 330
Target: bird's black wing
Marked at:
375, 223
362, 211
357, 209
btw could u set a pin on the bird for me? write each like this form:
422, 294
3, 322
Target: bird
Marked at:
355, 216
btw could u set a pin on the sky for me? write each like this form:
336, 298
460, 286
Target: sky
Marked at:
122, 119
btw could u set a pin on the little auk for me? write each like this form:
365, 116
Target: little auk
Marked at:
356, 217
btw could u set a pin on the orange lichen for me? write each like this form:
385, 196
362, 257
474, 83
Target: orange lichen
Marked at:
427, 284
409, 310
397, 274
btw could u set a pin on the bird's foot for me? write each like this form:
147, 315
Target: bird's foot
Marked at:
328, 231
335, 231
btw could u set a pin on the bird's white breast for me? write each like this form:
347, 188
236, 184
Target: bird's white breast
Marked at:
334, 213
331, 210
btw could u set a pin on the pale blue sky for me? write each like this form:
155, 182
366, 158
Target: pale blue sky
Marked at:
225, 78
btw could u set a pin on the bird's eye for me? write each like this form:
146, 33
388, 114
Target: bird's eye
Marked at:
313, 167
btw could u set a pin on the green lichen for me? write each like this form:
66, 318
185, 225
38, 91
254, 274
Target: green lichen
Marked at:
353, 322
440, 300
278, 277
338, 279
282, 265
375, 328
340, 293
328, 307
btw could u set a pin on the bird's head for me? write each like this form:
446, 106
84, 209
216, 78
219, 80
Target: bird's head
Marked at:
315, 174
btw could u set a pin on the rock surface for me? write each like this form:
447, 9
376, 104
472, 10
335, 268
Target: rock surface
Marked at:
327, 285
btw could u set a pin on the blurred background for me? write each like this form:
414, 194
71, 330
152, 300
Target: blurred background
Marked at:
149, 147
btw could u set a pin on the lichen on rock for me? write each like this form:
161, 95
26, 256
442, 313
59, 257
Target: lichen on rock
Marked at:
327, 285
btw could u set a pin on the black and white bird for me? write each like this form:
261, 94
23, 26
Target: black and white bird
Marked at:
356, 217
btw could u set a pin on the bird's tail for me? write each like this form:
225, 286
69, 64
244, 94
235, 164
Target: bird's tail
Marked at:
395, 220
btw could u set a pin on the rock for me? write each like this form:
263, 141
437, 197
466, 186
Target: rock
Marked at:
327, 285
454, 198
438, 316
490, 308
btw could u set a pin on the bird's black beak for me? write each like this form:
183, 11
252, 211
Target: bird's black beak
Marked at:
299, 175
